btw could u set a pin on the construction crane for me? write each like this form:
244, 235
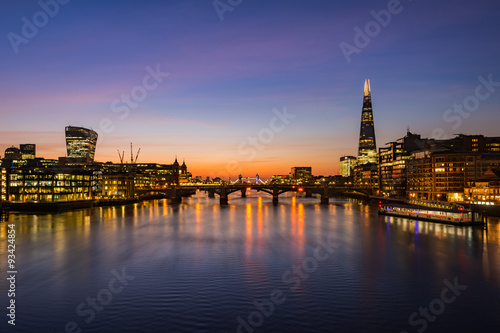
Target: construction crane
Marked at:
132, 160
122, 155
137, 156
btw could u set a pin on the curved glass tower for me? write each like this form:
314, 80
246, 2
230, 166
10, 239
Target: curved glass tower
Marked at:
367, 152
81, 143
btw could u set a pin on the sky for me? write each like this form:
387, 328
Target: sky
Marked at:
240, 86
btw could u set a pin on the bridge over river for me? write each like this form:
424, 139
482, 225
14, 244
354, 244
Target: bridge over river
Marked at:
177, 192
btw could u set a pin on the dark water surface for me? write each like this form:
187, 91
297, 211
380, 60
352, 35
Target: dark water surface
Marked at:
198, 267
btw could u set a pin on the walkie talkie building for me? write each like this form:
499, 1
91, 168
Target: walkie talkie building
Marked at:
80, 144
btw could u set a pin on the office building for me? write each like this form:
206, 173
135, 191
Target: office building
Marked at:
80, 144
367, 152
301, 173
12, 153
347, 163
28, 151
484, 190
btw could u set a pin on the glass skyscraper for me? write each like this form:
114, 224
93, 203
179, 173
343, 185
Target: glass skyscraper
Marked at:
80, 144
367, 152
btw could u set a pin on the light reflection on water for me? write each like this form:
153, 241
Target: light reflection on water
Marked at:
198, 266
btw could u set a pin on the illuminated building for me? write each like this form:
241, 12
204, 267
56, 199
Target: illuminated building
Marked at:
80, 144
150, 176
118, 185
54, 184
280, 179
366, 175
28, 151
367, 152
347, 163
3, 184
484, 190
392, 163
443, 175
301, 173
184, 175
12, 153
419, 175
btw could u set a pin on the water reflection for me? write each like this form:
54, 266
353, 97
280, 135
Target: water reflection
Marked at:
234, 255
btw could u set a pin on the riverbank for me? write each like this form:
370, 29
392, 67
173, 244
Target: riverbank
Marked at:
64, 206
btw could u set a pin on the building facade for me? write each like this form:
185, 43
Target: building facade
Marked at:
484, 190
118, 185
3, 184
80, 144
444, 175
366, 175
301, 174
393, 160
29, 184
28, 151
367, 151
347, 163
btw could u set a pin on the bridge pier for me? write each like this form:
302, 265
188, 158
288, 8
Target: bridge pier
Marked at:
275, 195
211, 194
176, 200
176, 196
223, 196
325, 199
244, 193
308, 193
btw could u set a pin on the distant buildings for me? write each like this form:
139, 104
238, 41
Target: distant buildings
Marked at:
422, 169
485, 190
347, 164
3, 184
28, 151
281, 179
301, 173
26, 178
443, 168
25, 152
392, 164
80, 144
12, 153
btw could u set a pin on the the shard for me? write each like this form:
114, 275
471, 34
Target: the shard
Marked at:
367, 152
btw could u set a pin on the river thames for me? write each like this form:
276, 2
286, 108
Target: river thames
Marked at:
250, 267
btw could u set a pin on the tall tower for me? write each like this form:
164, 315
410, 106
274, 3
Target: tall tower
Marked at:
367, 152
80, 144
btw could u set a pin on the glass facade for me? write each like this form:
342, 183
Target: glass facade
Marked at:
367, 152
81, 143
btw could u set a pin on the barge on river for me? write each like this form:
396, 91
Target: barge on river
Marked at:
459, 216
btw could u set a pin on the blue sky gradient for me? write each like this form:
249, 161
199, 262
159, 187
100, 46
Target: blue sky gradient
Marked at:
226, 77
